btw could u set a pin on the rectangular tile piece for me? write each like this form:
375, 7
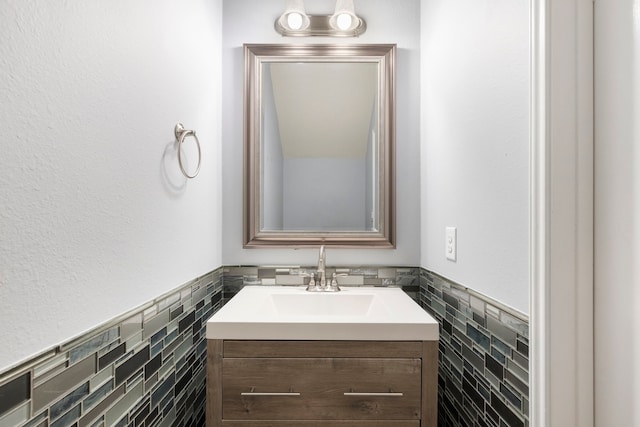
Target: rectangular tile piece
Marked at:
16, 416
97, 395
451, 300
473, 394
156, 323
481, 339
153, 366
38, 421
92, 345
516, 382
187, 322
505, 412
88, 418
116, 412
14, 393
68, 401
63, 382
500, 330
111, 356
68, 418
134, 363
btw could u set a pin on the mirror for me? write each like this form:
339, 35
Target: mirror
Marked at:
319, 145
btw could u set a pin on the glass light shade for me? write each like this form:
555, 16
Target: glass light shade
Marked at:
344, 17
294, 16
294, 20
344, 21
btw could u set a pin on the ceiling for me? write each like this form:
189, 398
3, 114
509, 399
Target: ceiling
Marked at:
324, 109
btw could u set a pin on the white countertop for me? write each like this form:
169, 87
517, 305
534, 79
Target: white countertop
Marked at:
292, 313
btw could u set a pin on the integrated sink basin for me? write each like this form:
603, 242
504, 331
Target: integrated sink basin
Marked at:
326, 304
292, 313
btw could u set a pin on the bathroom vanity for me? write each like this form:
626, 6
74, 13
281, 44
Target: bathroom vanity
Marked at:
281, 356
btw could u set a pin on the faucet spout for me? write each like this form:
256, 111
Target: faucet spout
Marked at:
318, 281
322, 260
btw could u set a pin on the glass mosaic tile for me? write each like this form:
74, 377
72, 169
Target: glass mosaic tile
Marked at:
169, 301
131, 326
14, 392
158, 355
110, 357
38, 420
55, 363
49, 391
505, 412
157, 322
97, 395
132, 395
68, 418
16, 416
127, 373
68, 401
92, 345
492, 388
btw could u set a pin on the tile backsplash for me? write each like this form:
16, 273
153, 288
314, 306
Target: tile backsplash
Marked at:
408, 278
484, 356
147, 367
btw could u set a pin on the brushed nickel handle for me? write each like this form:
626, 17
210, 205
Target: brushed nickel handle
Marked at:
255, 393
374, 394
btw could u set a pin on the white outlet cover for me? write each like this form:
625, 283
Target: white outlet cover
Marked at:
451, 243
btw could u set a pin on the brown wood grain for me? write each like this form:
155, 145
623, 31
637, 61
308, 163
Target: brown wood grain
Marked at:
321, 371
315, 423
385, 349
430, 384
322, 383
214, 381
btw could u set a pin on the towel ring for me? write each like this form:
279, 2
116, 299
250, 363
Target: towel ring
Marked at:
181, 134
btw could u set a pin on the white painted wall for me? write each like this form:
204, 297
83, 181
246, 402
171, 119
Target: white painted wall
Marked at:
95, 217
306, 192
617, 213
251, 21
475, 143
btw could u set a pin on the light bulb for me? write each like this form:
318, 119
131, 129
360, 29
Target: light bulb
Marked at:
294, 20
344, 21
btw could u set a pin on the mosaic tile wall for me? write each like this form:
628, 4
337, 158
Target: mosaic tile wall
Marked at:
483, 360
148, 367
144, 369
408, 278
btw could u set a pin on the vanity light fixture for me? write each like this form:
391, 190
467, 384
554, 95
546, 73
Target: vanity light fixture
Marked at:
344, 22
344, 18
294, 17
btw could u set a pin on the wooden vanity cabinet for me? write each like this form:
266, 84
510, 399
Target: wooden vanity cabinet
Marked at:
321, 383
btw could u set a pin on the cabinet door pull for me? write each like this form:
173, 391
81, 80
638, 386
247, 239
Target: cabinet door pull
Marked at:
374, 394
255, 393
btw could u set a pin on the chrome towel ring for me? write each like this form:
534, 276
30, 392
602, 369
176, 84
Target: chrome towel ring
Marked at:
181, 134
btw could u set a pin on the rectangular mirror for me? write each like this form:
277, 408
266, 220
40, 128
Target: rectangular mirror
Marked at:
319, 145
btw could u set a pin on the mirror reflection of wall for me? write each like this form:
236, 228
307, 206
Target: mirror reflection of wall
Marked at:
319, 146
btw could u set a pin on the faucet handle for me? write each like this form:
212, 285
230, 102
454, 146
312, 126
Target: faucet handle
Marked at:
311, 286
334, 282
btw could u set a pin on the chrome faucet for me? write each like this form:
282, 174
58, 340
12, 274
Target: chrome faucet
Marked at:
320, 284
322, 261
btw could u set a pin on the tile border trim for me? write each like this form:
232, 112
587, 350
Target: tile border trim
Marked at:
42, 357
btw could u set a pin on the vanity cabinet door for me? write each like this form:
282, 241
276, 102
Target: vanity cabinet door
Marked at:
321, 389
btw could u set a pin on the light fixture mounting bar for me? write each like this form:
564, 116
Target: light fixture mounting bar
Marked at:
320, 26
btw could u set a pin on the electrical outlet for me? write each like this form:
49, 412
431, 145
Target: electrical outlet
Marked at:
452, 246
